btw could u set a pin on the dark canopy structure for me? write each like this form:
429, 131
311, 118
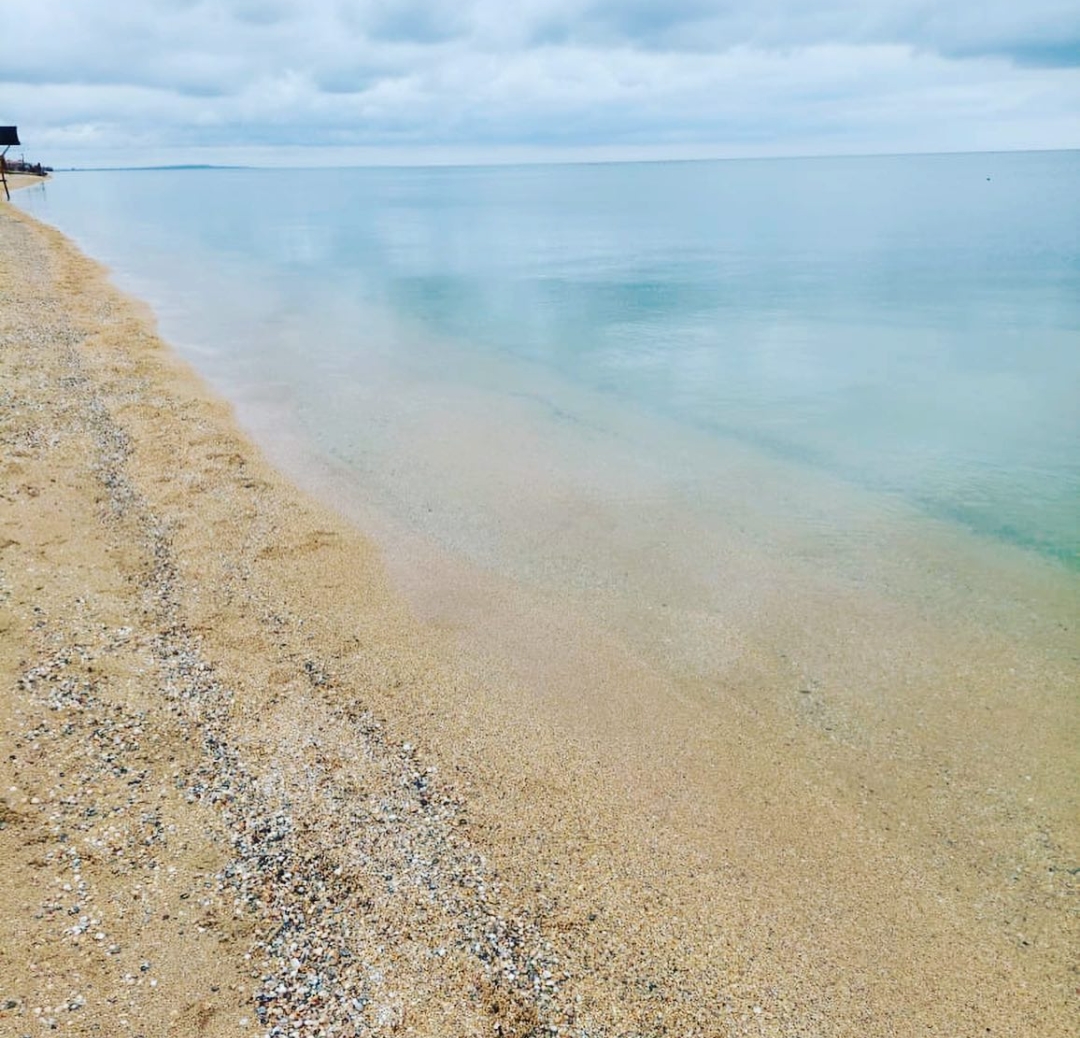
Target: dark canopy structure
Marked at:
9, 135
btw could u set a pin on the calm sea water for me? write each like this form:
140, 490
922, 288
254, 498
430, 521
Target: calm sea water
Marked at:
488, 348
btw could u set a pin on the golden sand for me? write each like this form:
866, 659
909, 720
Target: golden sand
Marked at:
243, 787
18, 180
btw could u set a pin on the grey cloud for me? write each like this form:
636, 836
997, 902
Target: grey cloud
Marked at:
556, 71
1039, 32
1054, 44
186, 72
415, 21
196, 78
352, 74
419, 22
198, 45
1064, 54
649, 22
262, 12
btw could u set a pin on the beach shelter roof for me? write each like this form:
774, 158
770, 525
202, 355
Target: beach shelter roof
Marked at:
9, 135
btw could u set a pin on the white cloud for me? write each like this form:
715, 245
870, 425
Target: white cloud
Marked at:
93, 80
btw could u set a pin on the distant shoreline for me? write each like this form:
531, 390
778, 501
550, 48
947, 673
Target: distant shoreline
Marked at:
511, 162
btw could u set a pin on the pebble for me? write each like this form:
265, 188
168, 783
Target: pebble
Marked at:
329, 899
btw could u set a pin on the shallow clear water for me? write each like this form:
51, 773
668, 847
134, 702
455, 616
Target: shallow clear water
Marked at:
482, 347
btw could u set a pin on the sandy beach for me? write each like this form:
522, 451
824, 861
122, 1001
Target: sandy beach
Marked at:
20, 180
245, 789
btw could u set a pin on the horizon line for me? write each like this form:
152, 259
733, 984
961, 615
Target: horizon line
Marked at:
552, 161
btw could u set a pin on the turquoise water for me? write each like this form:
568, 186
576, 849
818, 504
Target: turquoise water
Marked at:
906, 326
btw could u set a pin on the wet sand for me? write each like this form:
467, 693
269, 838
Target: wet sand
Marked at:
243, 787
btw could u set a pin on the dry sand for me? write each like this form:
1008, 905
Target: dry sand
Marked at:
18, 180
243, 790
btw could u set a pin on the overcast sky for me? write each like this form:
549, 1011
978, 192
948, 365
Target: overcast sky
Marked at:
94, 82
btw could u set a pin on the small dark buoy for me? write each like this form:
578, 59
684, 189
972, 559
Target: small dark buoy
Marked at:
987, 178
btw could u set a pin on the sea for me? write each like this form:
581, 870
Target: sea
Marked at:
647, 389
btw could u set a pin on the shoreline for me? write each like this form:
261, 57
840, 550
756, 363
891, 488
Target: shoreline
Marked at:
270, 653
16, 181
